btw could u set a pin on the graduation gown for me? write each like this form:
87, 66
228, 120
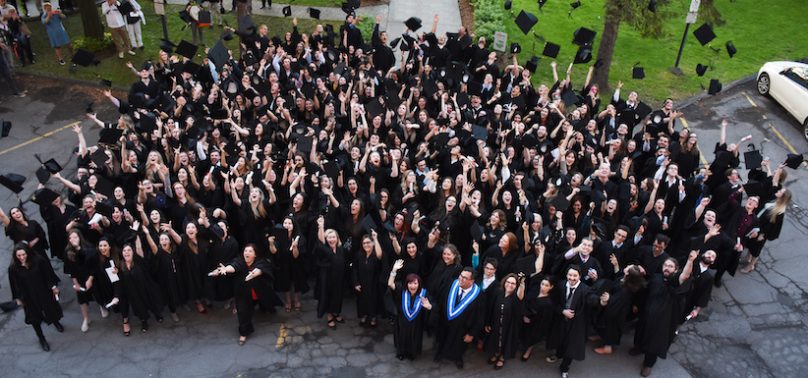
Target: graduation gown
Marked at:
504, 318
408, 333
456, 320
365, 273
330, 280
657, 325
137, 290
32, 286
166, 272
255, 291
543, 322
103, 288
222, 253
572, 338
194, 268
289, 270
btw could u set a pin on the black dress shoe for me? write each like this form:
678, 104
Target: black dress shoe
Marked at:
44, 344
144, 326
459, 364
59, 326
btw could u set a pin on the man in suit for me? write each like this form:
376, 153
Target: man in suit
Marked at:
576, 300
617, 247
460, 318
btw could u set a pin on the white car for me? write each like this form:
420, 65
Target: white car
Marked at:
787, 82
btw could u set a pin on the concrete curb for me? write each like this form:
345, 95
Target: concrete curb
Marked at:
702, 95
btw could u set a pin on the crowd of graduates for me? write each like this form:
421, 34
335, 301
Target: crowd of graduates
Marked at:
453, 190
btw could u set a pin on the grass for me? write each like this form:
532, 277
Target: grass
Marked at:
760, 33
114, 69
310, 3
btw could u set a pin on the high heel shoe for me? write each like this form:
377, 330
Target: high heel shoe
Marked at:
44, 344
126, 330
59, 327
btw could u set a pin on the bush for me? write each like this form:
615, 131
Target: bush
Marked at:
366, 25
489, 17
93, 44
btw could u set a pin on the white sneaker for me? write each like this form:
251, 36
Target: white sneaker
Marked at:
85, 325
104, 312
113, 302
120, 55
130, 52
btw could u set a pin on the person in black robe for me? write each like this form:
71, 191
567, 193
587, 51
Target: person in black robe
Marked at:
103, 288
660, 315
136, 290
574, 303
412, 304
771, 223
79, 271
193, 251
20, 229
539, 321
34, 287
165, 266
459, 318
367, 266
223, 249
503, 321
56, 216
701, 286
445, 271
616, 301
286, 247
331, 278
253, 286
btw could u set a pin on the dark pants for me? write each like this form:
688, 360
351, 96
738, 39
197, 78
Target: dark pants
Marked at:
245, 309
5, 74
24, 45
565, 364
649, 360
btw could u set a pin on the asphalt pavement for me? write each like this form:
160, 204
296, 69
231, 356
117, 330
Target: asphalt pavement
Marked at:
755, 325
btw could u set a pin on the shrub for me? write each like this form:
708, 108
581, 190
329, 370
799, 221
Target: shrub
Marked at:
93, 44
489, 17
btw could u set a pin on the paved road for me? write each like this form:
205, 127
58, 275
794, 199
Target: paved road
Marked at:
754, 322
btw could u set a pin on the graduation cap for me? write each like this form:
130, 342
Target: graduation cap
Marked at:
44, 197
227, 35
105, 83
314, 13
42, 175
569, 97
187, 49
368, 224
575, 4
704, 34
793, 161
643, 110
103, 208
475, 88
99, 157
652, 6
731, 50
583, 36
12, 181
191, 68
637, 72
5, 128
525, 21
304, 144
374, 108
331, 169
167, 46
83, 58
560, 202
754, 188
515, 48
395, 42
51, 165
125, 8
476, 231
430, 87
287, 11
109, 136
246, 26
218, 54
715, 87
551, 50
441, 140
413, 23
700, 69
347, 7
541, 3
185, 16
479, 132
532, 64
752, 158
584, 54
215, 229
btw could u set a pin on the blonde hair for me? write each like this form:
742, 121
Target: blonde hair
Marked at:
780, 206
329, 232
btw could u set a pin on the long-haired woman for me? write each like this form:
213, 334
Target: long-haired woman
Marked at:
771, 222
330, 257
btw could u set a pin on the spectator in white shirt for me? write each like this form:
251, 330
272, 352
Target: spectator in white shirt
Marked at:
117, 27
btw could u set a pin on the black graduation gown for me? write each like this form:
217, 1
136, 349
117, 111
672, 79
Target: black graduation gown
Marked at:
331, 279
543, 321
32, 286
103, 288
222, 253
657, 325
504, 318
17, 232
255, 291
137, 290
365, 273
450, 333
167, 273
290, 271
442, 277
610, 320
572, 338
408, 334
700, 291
56, 220
194, 268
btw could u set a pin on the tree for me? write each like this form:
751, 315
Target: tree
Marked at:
649, 23
90, 19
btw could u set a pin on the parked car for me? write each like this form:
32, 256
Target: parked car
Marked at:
787, 82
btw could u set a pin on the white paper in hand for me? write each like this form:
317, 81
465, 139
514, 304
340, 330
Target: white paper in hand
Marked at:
113, 277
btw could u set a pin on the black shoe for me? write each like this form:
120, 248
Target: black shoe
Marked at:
459, 364
159, 319
436, 359
144, 326
44, 344
59, 326
400, 357
718, 283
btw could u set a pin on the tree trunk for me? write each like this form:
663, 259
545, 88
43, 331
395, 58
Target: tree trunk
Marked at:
611, 25
90, 19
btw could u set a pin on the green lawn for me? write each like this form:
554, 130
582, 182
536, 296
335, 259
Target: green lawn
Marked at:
311, 3
114, 69
760, 31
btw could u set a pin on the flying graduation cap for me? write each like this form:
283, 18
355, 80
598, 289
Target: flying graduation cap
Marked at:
700, 69
638, 72
12, 181
525, 21
704, 34
83, 58
287, 11
715, 87
413, 23
583, 36
551, 50
731, 50
187, 49
314, 13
